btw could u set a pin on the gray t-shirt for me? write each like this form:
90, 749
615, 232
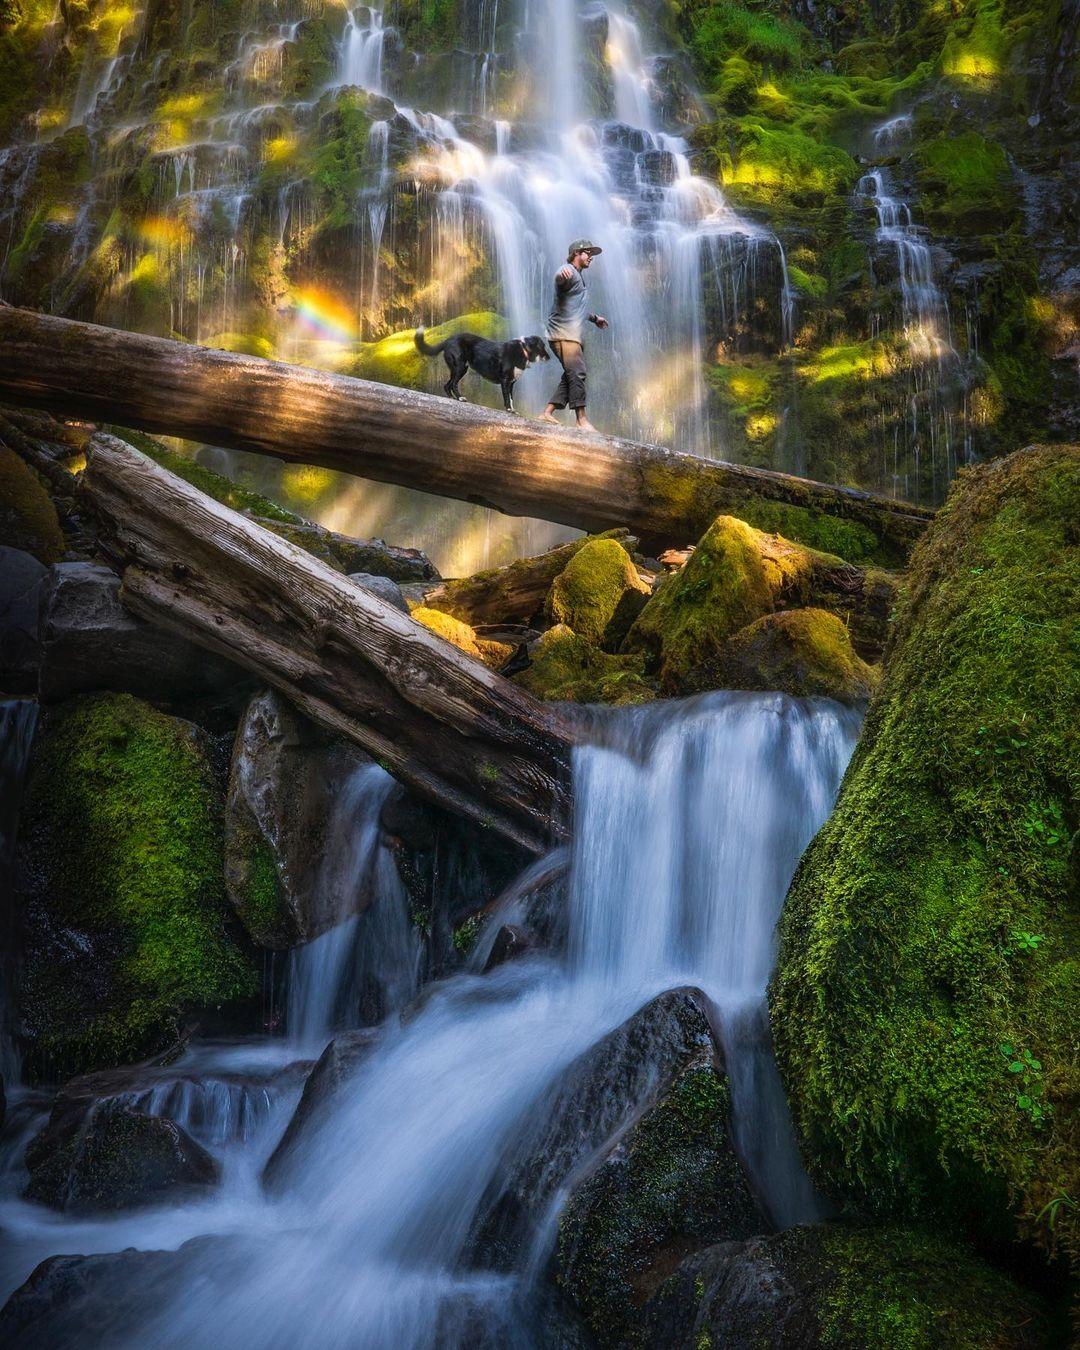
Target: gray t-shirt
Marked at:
570, 308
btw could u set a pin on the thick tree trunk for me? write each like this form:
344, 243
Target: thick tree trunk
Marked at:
517, 466
440, 721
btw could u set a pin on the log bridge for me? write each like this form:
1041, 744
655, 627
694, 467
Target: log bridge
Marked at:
515, 465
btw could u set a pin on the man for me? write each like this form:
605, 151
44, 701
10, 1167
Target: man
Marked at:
565, 329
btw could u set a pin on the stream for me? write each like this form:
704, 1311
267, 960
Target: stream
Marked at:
690, 817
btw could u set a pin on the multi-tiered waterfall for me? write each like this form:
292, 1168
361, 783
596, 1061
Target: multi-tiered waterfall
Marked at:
462, 176
690, 818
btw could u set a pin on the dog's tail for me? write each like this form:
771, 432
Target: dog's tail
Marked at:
424, 347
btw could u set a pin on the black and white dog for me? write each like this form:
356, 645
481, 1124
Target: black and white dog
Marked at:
499, 362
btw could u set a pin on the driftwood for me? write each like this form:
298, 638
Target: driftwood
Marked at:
515, 465
440, 721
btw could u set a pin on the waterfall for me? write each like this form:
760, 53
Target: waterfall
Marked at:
689, 820
367, 964
18, 719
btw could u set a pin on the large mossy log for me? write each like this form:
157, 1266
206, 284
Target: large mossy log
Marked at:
440, 721
515, 465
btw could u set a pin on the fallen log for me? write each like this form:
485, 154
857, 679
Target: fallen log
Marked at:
517, 466
440, 721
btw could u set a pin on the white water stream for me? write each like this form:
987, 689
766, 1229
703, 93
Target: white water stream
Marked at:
690, 819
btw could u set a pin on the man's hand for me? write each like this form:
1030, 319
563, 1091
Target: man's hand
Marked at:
600, 321
564, 276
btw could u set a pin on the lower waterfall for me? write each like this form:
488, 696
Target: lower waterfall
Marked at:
690, 819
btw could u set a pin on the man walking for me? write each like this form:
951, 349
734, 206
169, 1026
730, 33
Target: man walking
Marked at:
565, 330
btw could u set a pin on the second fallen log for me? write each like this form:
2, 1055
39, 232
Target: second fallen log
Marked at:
441, 722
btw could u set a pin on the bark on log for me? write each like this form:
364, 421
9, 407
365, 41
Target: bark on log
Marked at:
515, 465
440, 721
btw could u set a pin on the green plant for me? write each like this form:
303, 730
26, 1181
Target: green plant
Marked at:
1025, 942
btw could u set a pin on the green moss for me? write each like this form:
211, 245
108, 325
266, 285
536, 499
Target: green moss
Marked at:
769, 159
259, 901
568, 669
964, 180
123, 820
427, 25
28, 518
717, 27
903, 994
797, 651
735, 575
340, 161
452, 630
598, 593
674, 1185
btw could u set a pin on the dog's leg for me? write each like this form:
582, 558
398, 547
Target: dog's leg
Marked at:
508, 395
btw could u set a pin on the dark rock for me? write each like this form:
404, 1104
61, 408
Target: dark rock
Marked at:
22, 587
284, 777
99, 1302
90, 642
383, 587
334, 1068
625, 137
113, 1158
511, 941
349, 555
671, 1184
604, 1090
839, 1286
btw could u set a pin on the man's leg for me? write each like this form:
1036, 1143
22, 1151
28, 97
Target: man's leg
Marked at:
574, 368
562, 393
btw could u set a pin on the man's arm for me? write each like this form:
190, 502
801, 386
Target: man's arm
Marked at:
563, 277
597, 319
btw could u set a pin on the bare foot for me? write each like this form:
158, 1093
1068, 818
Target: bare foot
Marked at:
550, 417
585, 425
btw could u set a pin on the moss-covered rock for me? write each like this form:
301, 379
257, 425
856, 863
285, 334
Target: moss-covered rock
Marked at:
797, 651
598, 594
841, 1288
28, 518
450, 629
927, 994
121, 860
672, 1184
734, 576
568, 669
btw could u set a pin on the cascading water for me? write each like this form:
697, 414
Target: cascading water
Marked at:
367, 964
931, 434
689, 820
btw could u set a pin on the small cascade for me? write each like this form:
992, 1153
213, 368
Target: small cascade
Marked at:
928, 439
360, 55
18, 720
690, 818
367, 964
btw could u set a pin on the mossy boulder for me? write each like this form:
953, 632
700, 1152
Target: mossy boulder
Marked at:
598, 594
734, 576
28, 518
927, 993
844, 1288
797, 651
672, 1184
121, 869
111, 1157
568, 669
452, 630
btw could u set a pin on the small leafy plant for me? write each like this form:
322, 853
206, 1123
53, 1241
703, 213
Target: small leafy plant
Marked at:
1029, 1072
1025, 942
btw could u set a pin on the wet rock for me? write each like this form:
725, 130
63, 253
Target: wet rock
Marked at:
383, 587
670, 1185
657, 168
511, 942
839, 1286
28, 518
566, 668
22, 587
802, 652
580, 1119
284, 776
89, 641
114, 1158
335, 1067
625, 137
598, 594
99, 1302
